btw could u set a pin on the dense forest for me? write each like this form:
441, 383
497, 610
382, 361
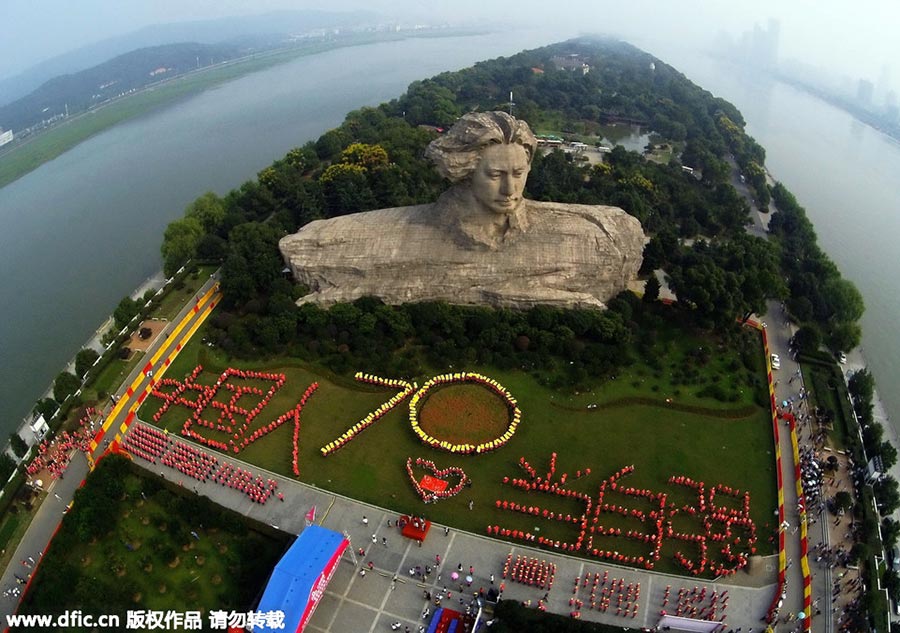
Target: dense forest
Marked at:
374, 160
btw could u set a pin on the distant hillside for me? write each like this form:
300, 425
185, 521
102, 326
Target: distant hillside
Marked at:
203, 31
120, 75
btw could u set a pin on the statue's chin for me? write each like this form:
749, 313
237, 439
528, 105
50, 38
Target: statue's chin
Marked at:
502, 209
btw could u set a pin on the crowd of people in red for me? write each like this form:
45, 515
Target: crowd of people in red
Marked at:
696, 603
728, 525
721, 525
429, 496
351, 433
295, 413
153, 445
530, 571
54, 455
613, 593
232, 419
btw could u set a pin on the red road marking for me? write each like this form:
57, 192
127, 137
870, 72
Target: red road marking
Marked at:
98, 436
129, 418
148, 368
196, 308
167, 361
141, 397
178, 347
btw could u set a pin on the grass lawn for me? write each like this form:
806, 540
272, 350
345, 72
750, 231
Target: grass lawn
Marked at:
825, 396
727, 443
176, 299
112, 376
130, 546
12, 528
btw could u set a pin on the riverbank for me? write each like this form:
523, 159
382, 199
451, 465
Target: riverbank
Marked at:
45, 146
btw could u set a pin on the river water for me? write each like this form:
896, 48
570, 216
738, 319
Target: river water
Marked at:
846, 176
84, 230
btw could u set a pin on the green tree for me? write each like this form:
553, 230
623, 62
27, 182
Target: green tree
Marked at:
18, 445
208, 209
7, 466
651, 289
843, 501
808, 338
66, 384
180, 243
887, 495
890, 530
862, 385
891, 582
888, 454
253, 262
45, 407
844, 300
127, 309
84, 360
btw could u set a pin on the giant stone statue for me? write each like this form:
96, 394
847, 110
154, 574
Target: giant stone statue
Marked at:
480, 243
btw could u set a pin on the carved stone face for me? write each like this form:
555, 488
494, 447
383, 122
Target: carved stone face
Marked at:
499, 180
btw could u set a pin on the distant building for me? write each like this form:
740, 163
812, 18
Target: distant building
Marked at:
5, 137
571, 62
864, 91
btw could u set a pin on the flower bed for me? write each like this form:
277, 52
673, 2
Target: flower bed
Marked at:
463, 413
515, 413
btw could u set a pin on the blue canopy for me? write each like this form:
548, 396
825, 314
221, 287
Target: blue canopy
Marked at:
300, 577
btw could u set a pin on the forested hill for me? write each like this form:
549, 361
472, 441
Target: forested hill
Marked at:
578, 84
110, 79
697, 226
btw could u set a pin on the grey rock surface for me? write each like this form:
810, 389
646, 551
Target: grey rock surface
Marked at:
564, 255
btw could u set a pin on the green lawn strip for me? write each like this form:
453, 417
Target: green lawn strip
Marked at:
112, 376
127, 544
818, 379
13, 528
659, 440
177, 298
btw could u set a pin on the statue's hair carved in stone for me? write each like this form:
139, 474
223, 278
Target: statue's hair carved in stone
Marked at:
457, 152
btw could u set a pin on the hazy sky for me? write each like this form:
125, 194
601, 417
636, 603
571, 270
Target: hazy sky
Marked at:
855, 39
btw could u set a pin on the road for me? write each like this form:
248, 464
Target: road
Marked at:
778, 334
132, 392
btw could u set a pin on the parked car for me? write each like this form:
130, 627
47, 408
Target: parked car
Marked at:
842, 357
776, 362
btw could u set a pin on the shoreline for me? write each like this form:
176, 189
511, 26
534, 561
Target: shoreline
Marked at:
856, 360
51, 143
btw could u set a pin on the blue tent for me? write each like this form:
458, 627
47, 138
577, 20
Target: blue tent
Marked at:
299, 579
